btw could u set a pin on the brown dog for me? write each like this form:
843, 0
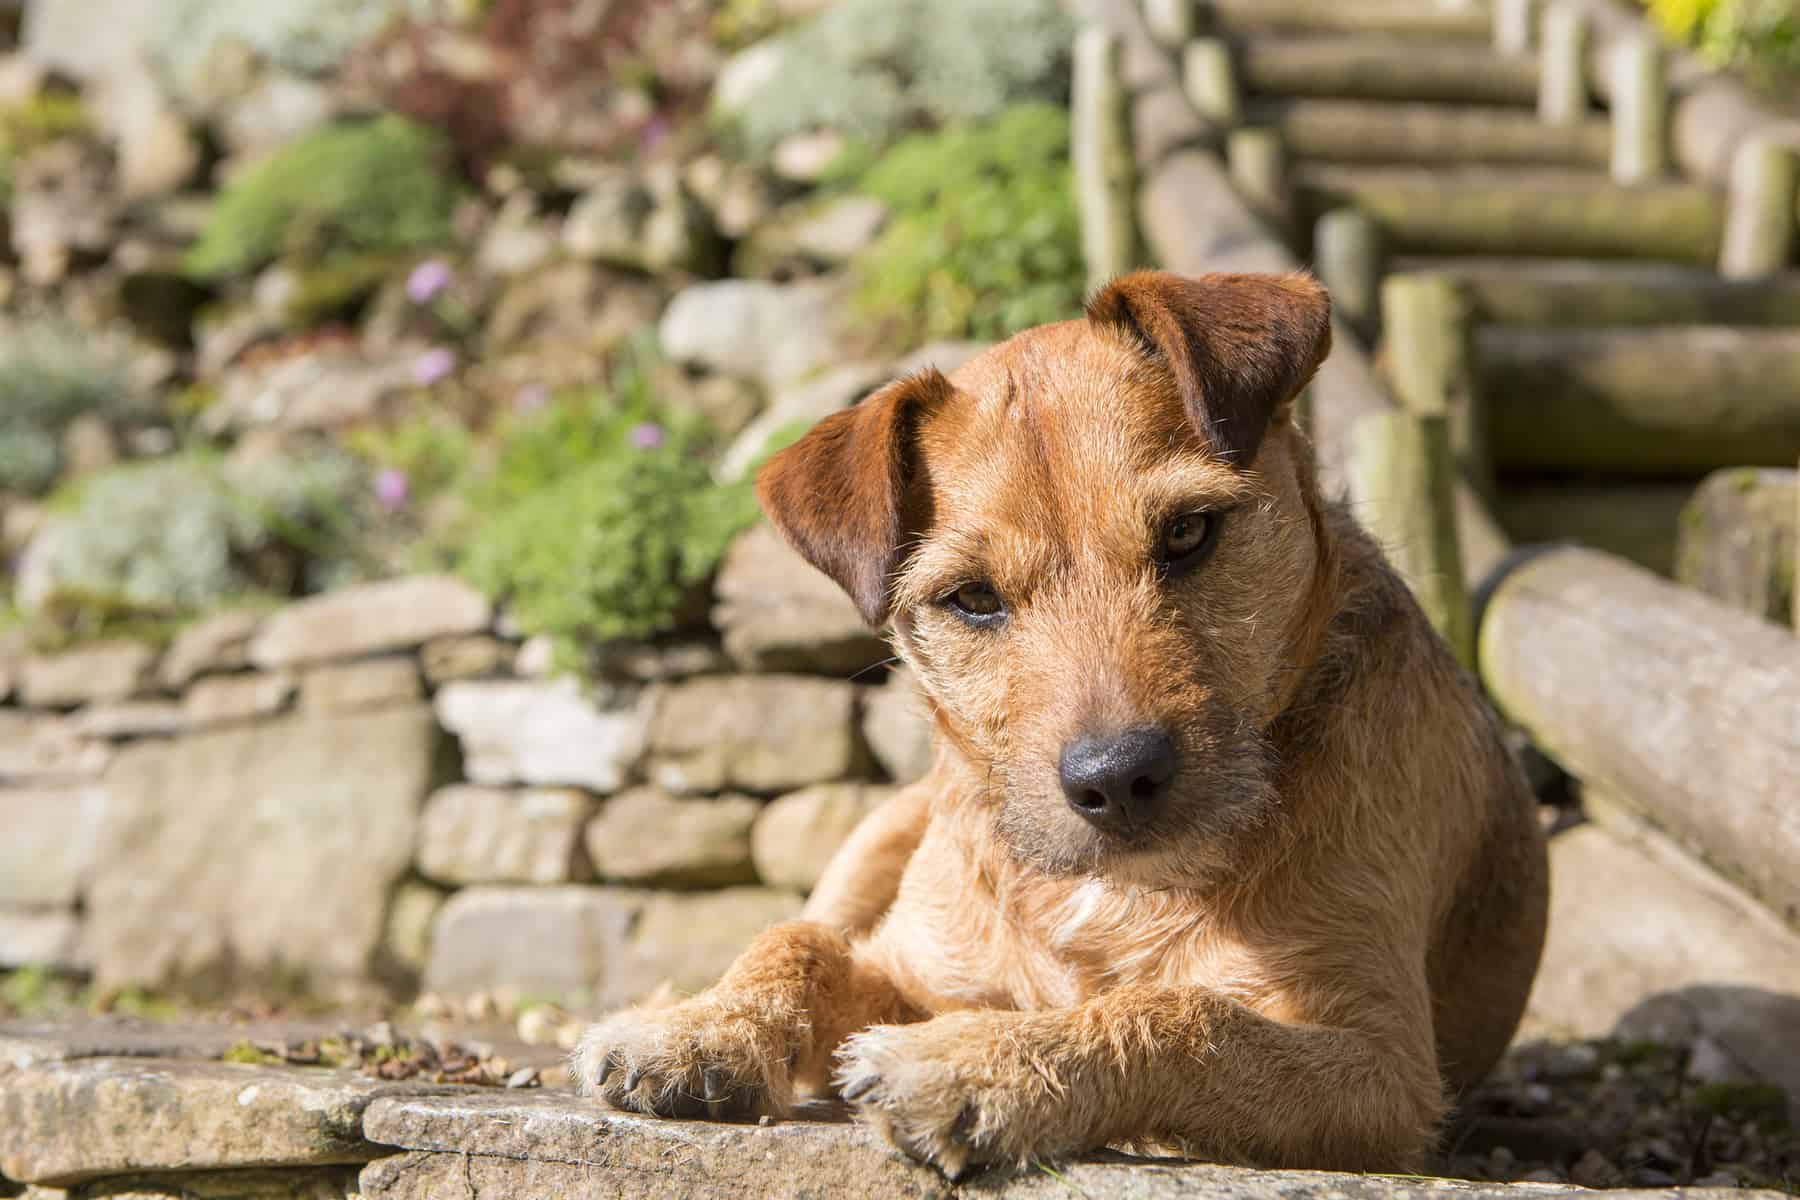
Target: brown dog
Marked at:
1221, 850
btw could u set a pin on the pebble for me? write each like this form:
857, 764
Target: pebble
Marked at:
524, 1077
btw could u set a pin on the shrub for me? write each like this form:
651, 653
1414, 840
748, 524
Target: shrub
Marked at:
50, 374
600, 518
302, 35
1762, 36
984, 239
873, 69
366, 188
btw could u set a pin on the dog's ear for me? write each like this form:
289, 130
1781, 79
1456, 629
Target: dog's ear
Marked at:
839, 494
1240, 346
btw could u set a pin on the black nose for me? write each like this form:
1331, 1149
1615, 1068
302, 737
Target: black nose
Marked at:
1117, 780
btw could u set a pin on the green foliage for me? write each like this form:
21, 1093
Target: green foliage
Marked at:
50, 374
589, 533
367, 188
1761, 36
179, 535
984, 239
872, 69
304, 35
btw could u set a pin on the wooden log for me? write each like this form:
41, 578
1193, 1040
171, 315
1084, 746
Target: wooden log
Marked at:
1738, 537
1257, 161
1635, 521
1562, 59
1640, 110
1100, 150
1170, 22
1403, 490
1209, 80
1513, 22
1430, 363
1399, 18
1364, 67
1639, 402
1162, 122
1375, 131
1669, 701
1568, 292
1514, 212
1347, 259
1759, 216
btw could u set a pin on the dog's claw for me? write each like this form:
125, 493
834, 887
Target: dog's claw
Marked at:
712, 1085
632, 1078
608, 1065
859, 1088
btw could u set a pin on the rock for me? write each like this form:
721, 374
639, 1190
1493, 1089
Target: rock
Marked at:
88, 445
1644, 943
265, 850
406, 943
41, 937
536, 658
725, 402
547, 941
897, 726
797, 408
129, 719
745, 74
62, 206
772, 333
278, 108
85, 39
112, 670
739, 196
469, 656
216, 643
778, 613
574, 306
370, 618
52, 835
688, 939
806, 157
157, 153
646, 836
767, 733
1740, 540
315, 1183
827, 233
372, 683
37, 747
67, 1122
1162, 122
545, 733
650, 223
796, 835
223, 699
493, 835
675, 659
323, 389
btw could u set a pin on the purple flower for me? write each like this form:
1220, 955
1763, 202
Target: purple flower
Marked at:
531, 397
647, 436
428, 281
433, 366
392, 488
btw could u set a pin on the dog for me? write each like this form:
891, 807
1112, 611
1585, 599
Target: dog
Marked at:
1221, 854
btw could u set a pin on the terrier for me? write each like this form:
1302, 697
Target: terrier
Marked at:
1221, 854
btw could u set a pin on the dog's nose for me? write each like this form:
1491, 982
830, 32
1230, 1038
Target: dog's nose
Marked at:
1117, 780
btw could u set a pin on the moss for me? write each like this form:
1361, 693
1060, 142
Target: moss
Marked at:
373, 187
1765, 1104
246, 1052
984, 239
339, 289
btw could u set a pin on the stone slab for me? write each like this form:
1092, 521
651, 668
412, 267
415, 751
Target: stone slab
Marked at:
315, 1183
762, 733
66, 1122
649, 838
779, 613
48, 848
541, 732
41, 937
369, 619
472, 834
222, 699
796, 835
374, 683
43, 747
215, 643
495, 1147
112, 670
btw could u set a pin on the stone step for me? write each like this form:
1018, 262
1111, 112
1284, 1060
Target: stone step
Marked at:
1673, 400
1375, 67
1523, 291
1539, 212
1378, 131
1397, 18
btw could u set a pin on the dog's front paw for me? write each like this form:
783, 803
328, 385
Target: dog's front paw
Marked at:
694, 1059
951, 1092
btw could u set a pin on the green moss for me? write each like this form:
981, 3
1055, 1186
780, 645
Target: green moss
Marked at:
247, 1053
339, 289
1765, 1104
374, 187
984, 239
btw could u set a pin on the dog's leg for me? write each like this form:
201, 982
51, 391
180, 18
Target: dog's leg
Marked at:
744, 1046
1180, 1065
860, 882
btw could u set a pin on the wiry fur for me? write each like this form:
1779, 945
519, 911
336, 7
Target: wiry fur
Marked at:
1330, 926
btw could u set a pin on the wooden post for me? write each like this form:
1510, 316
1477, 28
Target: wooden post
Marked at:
1562, 65
1679, 706
1209, 78
1170, 22
1738, 538
1347, 256
1759, 212
1403, 489
1257, 162
1512, 25
1640, 110
1105, 173
1431, 364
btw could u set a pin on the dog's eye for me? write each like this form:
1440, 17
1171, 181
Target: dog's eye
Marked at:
977, 603
1187, 538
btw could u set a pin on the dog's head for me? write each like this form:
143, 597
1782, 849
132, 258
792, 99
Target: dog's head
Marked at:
1100, 550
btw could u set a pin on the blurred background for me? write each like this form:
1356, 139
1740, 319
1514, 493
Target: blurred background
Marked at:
387, 627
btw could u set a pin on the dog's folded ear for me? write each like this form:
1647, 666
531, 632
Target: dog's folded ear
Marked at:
1239, 346
839, 494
